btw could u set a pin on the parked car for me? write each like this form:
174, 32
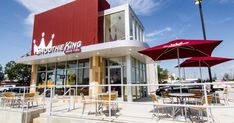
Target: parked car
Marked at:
176, 89
6, 88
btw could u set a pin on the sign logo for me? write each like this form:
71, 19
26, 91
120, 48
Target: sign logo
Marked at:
175, 44
67, 48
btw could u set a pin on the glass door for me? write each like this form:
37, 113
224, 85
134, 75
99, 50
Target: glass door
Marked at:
115, 76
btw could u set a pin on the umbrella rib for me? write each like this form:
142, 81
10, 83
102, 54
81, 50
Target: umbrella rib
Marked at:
192, 48
205, 63
166, 51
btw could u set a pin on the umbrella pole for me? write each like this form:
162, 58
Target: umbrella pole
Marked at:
210, 76
178, 59
200, 70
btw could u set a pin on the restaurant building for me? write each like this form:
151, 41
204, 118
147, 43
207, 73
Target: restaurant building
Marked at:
86, 42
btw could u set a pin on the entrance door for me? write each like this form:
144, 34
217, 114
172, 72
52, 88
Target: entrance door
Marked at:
115, 77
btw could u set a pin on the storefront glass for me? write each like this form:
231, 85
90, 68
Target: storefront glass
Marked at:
115, 26
71, 77
138, 77
116, 74
64, 73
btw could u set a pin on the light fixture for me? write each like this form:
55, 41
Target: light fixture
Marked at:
198, 2
58, 59
77, 56
98, 53
130, 49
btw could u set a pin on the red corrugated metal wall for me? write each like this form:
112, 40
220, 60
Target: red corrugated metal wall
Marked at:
76, 21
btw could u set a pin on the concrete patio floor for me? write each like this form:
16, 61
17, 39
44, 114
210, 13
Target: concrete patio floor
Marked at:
141, 112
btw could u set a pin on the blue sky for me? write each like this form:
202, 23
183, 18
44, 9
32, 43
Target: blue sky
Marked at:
164, 20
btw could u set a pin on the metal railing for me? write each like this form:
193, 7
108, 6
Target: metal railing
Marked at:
55, 106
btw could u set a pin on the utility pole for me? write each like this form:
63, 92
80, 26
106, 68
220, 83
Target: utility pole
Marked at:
199, 2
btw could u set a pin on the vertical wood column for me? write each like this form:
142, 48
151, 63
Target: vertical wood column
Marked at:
97, 75
33, 78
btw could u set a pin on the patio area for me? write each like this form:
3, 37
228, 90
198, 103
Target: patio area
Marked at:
140, 111
108, 107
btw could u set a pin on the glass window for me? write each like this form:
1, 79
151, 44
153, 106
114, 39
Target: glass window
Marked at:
124, 75
71, 77
133, 62
41, 78
115, 26
136, 30
60, 77
144, 76
139, 33
115, 61
72, 64
124, 61
50, 67
83, 76
142, 34
133, 75
83, 63
137, 76
141, 76
50, 78
42, 67
61, 65
131, 27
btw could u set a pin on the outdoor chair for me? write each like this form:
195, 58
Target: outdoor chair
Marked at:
70, 100
9, 99
2, 101
201, 110
166, 97
87, 101
196, 98
29, 98
109, 101
157, 106
225, 95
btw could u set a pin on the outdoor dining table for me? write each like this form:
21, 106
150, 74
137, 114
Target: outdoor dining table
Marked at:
182, 100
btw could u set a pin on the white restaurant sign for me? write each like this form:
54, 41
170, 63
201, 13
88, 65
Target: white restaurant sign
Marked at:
67, 48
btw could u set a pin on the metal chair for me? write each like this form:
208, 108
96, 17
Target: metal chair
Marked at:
9, 99
166, 97
87, 102
200, 110
225, 95
109, 101
196, 98
157, 106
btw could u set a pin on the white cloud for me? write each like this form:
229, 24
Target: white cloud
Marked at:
158, 32
141, 7
38, 6
225, 1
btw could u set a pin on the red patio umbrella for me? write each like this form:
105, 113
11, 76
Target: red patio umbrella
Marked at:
181, 48
203, 62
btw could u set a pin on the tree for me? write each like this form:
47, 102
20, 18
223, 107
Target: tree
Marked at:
226, 77
214, 77
1, 74
162, 74
19, 72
